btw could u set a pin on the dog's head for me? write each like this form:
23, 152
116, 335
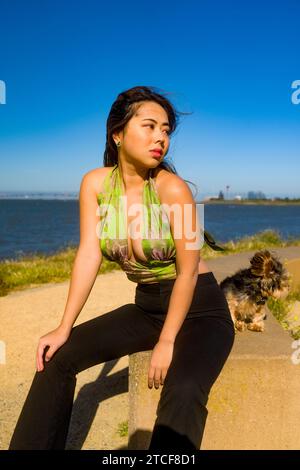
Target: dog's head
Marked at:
274, 280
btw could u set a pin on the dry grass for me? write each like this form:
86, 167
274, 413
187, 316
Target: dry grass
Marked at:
34, 270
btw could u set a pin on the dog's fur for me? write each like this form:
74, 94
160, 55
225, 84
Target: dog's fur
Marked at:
248, 290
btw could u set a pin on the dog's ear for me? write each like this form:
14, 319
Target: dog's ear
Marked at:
261, 263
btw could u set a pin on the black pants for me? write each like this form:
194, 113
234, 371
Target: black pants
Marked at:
201, 348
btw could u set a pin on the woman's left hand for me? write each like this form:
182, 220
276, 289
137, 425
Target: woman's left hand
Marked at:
160, 360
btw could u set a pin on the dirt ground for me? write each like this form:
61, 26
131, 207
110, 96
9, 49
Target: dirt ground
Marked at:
100, 409
101, 395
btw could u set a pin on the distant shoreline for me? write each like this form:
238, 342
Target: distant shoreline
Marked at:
266, 202
39, 198
260, 202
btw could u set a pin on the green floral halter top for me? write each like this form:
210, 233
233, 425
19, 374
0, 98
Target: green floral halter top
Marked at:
156, 238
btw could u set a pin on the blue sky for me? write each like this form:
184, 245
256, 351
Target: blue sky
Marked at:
230, 63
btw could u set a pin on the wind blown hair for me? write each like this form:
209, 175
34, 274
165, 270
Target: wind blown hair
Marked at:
124, 108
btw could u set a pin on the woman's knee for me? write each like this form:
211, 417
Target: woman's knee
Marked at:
188, 394
61, 361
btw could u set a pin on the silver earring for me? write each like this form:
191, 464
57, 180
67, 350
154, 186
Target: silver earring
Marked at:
118, 144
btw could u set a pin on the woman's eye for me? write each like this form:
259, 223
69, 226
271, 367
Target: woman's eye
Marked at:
152, 126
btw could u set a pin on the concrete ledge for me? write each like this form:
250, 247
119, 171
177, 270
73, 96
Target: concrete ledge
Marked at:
142, 402
254, 404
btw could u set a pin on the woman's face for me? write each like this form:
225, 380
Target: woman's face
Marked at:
148, 129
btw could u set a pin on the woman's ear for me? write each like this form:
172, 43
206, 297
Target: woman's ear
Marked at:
117, 136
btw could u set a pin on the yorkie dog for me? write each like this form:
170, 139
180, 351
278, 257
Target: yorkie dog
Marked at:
248, 290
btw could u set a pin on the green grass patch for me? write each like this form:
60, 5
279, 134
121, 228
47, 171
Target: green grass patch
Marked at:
266, 239
123, 429
34, 270
280, 308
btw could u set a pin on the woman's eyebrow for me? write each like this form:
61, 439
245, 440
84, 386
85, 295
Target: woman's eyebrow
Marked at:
150, 119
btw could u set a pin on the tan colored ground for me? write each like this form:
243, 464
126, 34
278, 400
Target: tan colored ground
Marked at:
102, 404
101, 396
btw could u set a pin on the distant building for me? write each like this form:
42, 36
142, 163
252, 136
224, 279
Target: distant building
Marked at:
209, 198
256, 195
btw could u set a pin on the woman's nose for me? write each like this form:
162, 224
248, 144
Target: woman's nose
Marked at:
160, 135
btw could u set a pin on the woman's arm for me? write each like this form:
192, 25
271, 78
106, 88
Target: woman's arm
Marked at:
88, 257
183, 226
85, 268
178, 193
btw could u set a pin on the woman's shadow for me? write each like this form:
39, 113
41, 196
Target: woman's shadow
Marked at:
87, 402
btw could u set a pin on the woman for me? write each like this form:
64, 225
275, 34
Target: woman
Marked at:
180, 312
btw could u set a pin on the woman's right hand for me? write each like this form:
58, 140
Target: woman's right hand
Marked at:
54, 339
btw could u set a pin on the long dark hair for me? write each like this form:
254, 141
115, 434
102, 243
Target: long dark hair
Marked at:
122, 110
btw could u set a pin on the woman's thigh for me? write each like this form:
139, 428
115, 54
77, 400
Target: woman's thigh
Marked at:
124, 330
201, 349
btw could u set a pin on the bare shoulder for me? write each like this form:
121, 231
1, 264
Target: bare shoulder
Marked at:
95, 178
170, 186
